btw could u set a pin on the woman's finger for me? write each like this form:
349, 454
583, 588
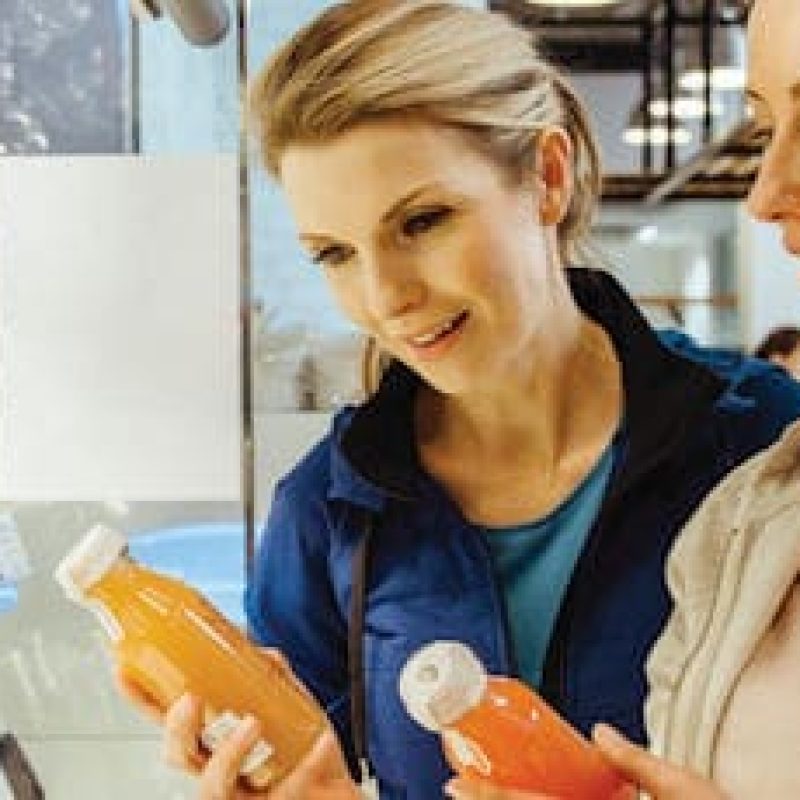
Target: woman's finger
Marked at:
183, 723
221, 774
634, 763
465, 789
659, 778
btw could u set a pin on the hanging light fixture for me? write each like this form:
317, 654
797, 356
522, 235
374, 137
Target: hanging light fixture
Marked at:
637, 133
686, 106
657, 135
202, 22
728, 52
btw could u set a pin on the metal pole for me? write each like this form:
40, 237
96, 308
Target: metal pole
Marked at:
669, 58
135, 87
707, 54
647, 95
245, 300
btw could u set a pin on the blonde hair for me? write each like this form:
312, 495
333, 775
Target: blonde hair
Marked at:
365, 60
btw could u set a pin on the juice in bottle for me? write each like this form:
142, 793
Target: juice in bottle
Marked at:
167, 640
496, 729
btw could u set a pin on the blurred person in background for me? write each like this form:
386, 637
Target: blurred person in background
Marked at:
781, 346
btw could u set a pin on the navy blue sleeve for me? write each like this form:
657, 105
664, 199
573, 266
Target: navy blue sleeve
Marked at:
767, 397
290, 603
775, 396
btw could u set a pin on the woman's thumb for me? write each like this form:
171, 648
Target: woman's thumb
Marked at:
634, 763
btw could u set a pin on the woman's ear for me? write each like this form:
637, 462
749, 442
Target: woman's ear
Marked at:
554, 174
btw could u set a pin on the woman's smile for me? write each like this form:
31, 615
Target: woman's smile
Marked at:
438, 340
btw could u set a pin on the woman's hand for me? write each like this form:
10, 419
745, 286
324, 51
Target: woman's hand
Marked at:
322, 775
660, 779
466, 789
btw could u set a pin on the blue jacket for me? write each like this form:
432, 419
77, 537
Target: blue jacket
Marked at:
690, 416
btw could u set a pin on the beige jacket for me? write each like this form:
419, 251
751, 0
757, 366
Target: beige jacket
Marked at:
728, 573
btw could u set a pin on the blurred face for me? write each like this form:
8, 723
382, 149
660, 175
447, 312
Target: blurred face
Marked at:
428, 248
790, 362
774, 88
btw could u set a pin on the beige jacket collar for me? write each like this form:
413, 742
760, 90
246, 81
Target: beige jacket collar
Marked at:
728, 573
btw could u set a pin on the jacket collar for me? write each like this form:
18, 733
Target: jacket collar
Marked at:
375, 456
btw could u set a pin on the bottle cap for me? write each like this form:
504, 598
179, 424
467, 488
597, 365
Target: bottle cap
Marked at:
441, 682
89, 560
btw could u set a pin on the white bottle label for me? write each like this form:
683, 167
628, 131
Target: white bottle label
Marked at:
221, 728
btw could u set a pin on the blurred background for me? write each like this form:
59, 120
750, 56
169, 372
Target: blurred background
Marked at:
166, 350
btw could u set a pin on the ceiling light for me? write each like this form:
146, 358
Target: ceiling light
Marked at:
638, 132
657, 135
202, 22
722, 79
647, 234
686, 107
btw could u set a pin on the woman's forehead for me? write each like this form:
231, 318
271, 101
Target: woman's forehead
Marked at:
389, 158
340, 189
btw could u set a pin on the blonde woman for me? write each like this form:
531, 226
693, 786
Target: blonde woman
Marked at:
520, 472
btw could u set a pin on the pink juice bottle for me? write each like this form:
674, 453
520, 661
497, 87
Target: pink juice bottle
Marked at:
496, 729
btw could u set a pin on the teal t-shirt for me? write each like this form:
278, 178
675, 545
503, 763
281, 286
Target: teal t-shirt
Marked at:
534, 563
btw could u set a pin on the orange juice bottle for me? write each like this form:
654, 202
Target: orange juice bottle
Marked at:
497, 730
167, 640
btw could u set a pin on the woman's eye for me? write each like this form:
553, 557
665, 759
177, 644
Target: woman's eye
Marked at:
763, 135
423, 221
330, 256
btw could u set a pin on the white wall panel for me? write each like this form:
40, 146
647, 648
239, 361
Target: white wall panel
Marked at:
119, 337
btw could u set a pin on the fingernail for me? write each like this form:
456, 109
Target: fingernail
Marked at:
185, 702
451, 790
248, 728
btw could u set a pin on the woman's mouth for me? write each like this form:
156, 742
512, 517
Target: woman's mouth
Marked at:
434, 342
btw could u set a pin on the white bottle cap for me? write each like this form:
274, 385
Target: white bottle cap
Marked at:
441, 682
89, 560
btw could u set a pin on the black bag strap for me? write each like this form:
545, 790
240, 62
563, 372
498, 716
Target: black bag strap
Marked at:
355, 646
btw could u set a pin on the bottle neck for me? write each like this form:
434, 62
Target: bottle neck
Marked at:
109, 590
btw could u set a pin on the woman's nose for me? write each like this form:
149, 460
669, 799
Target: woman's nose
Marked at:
775, 192
393, 287
762, 202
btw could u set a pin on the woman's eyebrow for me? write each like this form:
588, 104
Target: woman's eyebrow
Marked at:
406, 200
387, 216
755, 95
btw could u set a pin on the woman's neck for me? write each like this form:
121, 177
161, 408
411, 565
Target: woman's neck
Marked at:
558, 413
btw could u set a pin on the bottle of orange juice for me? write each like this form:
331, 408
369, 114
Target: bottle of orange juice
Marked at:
167, 640
497, 730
